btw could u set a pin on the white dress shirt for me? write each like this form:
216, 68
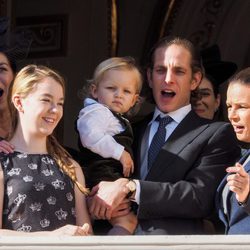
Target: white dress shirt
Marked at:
97, 125
177, 116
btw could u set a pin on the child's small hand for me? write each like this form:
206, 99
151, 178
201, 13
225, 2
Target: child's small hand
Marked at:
6, 147
127, 164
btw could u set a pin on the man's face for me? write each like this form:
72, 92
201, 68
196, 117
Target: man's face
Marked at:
171, 78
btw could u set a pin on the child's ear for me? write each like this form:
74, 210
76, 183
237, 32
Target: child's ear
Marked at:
17, 101
93, 90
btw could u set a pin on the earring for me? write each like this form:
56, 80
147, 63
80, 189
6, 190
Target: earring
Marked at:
20, 108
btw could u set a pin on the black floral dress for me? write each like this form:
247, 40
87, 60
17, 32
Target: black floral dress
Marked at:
38, 196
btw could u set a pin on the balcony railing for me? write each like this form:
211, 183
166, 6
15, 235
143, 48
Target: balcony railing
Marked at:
185, 242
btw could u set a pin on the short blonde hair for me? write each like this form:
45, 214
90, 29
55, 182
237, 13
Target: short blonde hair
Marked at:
113, 63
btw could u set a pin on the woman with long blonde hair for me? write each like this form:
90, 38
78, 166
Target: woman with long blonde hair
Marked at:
41, 188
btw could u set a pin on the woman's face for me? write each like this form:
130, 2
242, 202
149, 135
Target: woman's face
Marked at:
238, 106
6, 77
206, 104
42, 108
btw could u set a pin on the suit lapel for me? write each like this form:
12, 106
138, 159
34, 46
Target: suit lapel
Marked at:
243, 159
247, 166
218, 201
189, 128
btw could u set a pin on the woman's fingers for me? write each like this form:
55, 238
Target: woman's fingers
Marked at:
237, 169
238, 181
6, 147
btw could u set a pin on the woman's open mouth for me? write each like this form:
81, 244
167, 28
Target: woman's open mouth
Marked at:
1, 92
238, 129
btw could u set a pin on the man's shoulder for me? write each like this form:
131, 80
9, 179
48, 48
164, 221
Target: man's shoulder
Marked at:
195, 125
195, 119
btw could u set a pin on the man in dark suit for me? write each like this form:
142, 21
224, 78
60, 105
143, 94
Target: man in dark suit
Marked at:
174, 187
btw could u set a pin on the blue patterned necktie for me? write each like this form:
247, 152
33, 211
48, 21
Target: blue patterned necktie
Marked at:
158, 139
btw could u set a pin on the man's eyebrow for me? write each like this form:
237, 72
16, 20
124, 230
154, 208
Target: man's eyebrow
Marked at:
179, 67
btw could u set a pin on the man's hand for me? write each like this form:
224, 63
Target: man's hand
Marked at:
123, 209
127, 164
238, 182
106, 197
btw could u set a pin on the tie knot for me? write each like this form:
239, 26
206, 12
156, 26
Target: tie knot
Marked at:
163, 121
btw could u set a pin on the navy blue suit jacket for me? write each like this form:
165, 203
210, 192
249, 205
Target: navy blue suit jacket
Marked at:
238, 220
179, 190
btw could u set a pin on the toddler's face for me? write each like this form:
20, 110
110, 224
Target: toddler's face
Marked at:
117, 90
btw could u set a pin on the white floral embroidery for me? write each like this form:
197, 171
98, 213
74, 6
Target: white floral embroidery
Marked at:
28, 178
37, 206
14, 171
51, 200
61, 215
73, 211
9, 190
69, 196
39, 186
58, 184
24, 228
48, 172
20, 199
32, 166
47, 160
14, 218
44, 223
22, 155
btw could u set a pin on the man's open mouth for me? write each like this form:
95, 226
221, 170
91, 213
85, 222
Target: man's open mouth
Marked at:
168, 93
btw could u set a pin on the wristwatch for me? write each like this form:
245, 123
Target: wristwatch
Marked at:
131, 185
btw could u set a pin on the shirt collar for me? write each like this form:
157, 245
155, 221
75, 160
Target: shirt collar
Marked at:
177, 115
88, 101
